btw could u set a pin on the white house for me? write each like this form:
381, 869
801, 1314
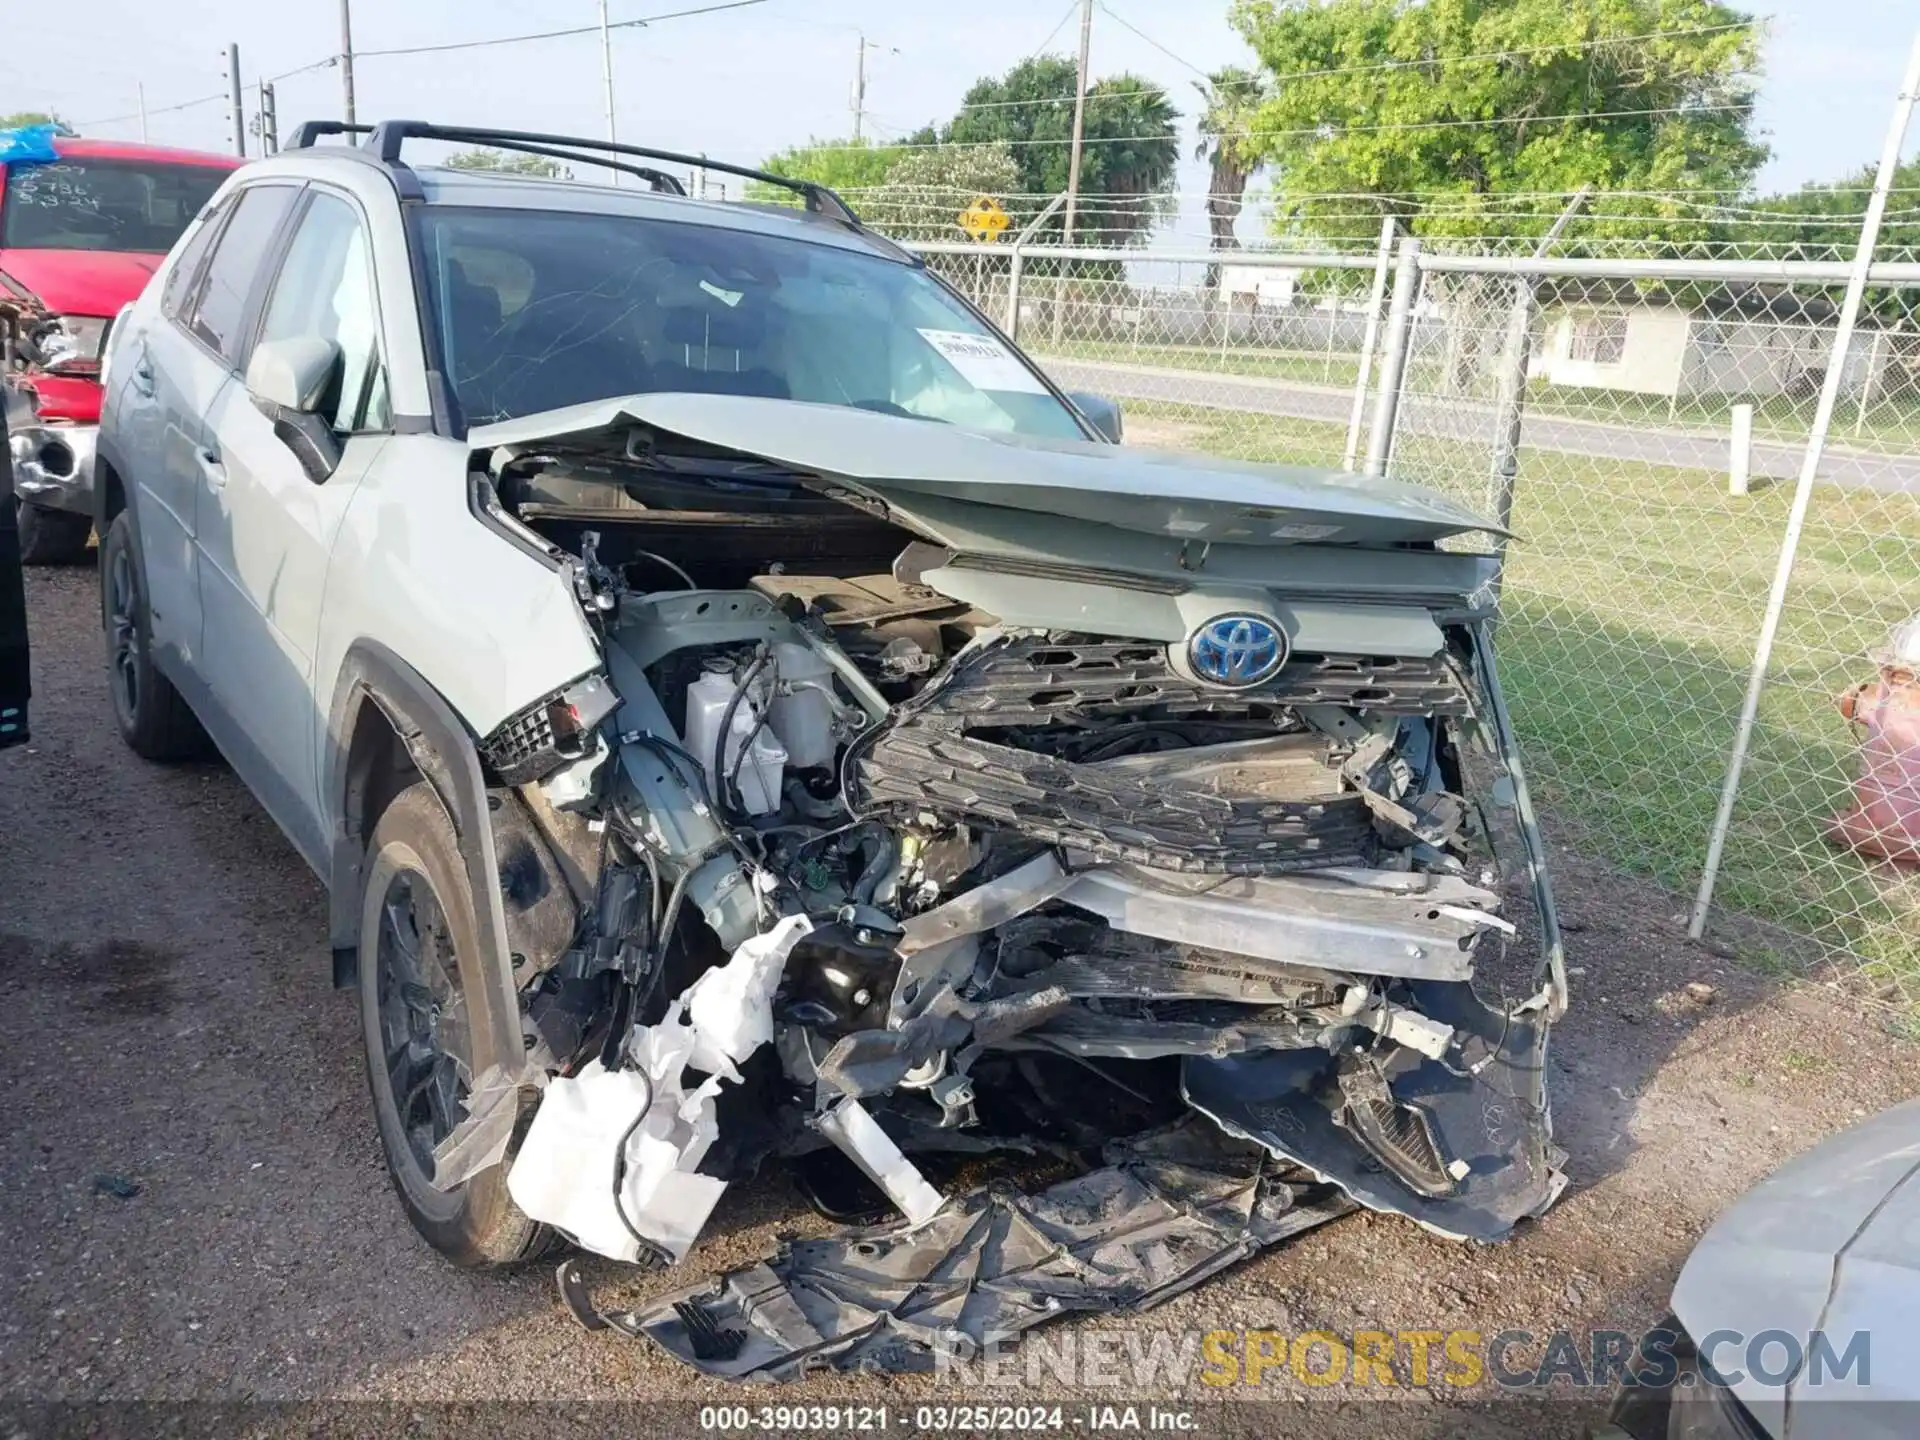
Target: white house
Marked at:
1262, 287
1658, 348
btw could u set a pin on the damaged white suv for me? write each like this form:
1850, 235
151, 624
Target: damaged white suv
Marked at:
742, 711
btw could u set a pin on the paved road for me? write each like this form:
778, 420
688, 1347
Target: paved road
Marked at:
1473, 420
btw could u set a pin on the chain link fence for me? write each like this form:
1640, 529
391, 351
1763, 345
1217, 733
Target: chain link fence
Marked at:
1641, 418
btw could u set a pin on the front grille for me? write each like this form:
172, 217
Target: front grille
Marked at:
1037, 679
943, 753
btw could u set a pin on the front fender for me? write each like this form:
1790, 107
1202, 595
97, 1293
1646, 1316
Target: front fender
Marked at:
444, 753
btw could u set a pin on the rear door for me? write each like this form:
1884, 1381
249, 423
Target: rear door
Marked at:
174, 374
266, 527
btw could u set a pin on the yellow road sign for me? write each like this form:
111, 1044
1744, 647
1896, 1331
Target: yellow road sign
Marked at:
984, 219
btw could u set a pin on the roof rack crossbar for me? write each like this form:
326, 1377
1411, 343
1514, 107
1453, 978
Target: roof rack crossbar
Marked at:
386, 138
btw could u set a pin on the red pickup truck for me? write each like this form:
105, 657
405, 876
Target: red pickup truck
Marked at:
79, 237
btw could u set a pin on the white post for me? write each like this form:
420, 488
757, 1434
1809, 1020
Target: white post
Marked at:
1740, 457
140, 89
1866, 382
1803, 491
606, 77
1393, 363
1079, 122
860, 90
1382, 262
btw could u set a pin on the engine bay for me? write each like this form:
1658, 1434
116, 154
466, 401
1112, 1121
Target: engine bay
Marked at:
873, 880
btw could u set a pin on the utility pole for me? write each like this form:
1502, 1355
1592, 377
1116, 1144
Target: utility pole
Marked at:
1079, 121
269, 121
606, 76
238, 104
140, 89
860, 90
346, 56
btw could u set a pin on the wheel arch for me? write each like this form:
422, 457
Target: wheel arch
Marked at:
386, 725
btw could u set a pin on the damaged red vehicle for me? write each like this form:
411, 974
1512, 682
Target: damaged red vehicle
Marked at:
80, 235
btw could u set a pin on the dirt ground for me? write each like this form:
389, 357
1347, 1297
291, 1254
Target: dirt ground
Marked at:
196, 1209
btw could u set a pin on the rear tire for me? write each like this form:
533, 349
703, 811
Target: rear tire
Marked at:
52, 537
419, 958
154, 721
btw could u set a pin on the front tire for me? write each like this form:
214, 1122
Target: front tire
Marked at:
419, 959
154, 721
51, 537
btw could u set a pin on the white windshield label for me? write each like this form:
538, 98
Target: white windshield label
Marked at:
983, 362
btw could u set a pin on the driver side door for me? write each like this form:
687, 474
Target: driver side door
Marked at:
269, 519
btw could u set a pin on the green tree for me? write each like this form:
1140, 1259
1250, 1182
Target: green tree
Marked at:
848, 166
510, 162
1232, 95
21, 119
1829, 219
1127, 163
1465, 114
925, 190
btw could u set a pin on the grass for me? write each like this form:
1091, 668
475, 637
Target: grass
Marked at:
1632, 602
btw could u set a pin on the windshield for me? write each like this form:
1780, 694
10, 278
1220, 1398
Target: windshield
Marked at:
535, 310
87, 204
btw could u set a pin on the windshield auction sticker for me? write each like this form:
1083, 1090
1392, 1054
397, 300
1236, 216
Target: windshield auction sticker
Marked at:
983, 362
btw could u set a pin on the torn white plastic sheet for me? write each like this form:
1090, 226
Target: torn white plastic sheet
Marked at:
479, 1142
731, 1006
565, 1171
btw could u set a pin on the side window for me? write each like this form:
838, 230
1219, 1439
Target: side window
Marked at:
325, 291
186, 270
222, 307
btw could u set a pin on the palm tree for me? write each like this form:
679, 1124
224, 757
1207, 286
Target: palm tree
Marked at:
1233, 95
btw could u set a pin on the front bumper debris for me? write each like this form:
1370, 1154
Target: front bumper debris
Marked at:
53, 465
1171, 1209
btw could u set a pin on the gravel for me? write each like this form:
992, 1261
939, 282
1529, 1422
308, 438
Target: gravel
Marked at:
196, 1207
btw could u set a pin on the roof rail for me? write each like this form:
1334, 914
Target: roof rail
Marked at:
373, 150
386, 138
308, 131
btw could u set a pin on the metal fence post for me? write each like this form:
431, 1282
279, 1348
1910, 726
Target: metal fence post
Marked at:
1510, 408
1019, 263
1393, 364
1803, 491
1014, 268
1363, 373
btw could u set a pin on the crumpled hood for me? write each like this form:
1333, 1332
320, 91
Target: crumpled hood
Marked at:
1829, 1241
1156, 492
80, 282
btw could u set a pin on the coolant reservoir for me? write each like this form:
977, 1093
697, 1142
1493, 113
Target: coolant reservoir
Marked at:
802, 710
758, 774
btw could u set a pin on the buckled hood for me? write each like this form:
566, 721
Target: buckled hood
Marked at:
904, 462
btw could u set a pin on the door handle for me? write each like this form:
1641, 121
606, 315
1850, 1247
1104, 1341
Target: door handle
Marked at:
143, 376
211, 467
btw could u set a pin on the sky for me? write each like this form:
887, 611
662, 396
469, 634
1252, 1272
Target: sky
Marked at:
744, 83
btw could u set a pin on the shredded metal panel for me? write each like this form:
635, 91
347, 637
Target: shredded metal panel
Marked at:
1174, 1208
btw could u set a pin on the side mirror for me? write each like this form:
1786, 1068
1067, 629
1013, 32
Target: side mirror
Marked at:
287, 380
1100, 411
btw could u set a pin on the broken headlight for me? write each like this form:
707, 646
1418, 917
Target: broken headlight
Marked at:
67, 344
532, 743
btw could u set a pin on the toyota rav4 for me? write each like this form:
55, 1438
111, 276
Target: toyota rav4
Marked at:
743, 711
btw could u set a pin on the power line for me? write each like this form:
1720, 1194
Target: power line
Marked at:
1126, 24
1072, 5
554, 34
332, 60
